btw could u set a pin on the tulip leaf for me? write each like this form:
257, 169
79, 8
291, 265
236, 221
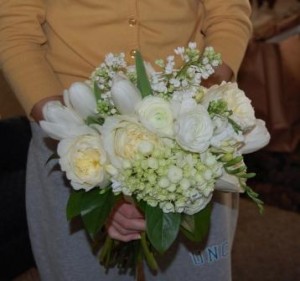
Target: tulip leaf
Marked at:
195, 227
143, 82
162, 228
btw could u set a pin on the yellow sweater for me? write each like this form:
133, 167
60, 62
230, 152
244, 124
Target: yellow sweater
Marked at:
45, 45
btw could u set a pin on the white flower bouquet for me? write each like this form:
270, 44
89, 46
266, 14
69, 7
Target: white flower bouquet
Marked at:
158, 138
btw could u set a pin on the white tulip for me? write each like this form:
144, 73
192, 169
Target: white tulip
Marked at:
228, 183
62, 122
124, 94
257, 138
198, 205
81, 98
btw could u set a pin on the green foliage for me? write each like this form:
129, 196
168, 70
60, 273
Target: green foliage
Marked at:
162, 228
97, 91
237, 167
220, 108
195, 227
143, 82
93, 206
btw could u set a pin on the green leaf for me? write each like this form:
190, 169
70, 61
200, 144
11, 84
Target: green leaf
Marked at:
97, 91
162, 228
95, 208
74, 204
195, 227
234, 125
94, 120
143, 82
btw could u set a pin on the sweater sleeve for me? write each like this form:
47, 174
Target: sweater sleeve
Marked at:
227, 27
22, 52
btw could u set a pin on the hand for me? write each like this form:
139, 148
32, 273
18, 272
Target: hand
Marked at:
126, 222
222, 73
37, 110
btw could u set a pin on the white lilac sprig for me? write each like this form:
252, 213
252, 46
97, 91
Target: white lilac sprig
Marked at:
101, 82
195, 68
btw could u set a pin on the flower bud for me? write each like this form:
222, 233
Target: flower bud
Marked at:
124, 95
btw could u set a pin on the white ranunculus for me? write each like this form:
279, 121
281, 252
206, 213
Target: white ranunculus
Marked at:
80, 97
62, 122
156, 115
243, 112
84, 161
194, 130
183, 105
123, 138
228, 183
124, 94
256, 139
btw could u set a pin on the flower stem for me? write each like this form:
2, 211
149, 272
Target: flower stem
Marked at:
106, 251
148, 253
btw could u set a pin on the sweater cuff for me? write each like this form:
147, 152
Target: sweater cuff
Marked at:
31, 78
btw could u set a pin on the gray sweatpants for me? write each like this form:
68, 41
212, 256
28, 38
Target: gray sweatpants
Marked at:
62, 250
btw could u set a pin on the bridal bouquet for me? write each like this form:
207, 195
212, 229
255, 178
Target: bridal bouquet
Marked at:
158, 139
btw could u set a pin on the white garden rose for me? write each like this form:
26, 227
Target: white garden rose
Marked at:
156, 115
124, 138
243, 112
84, 161
194, 130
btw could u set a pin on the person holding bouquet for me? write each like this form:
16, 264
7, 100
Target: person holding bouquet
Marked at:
45, 46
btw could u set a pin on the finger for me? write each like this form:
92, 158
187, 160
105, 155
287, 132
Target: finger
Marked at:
122, 230
128, 210
134, 224
115, 234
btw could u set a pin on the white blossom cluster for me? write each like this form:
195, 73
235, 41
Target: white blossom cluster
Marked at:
196, 66
171, 178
